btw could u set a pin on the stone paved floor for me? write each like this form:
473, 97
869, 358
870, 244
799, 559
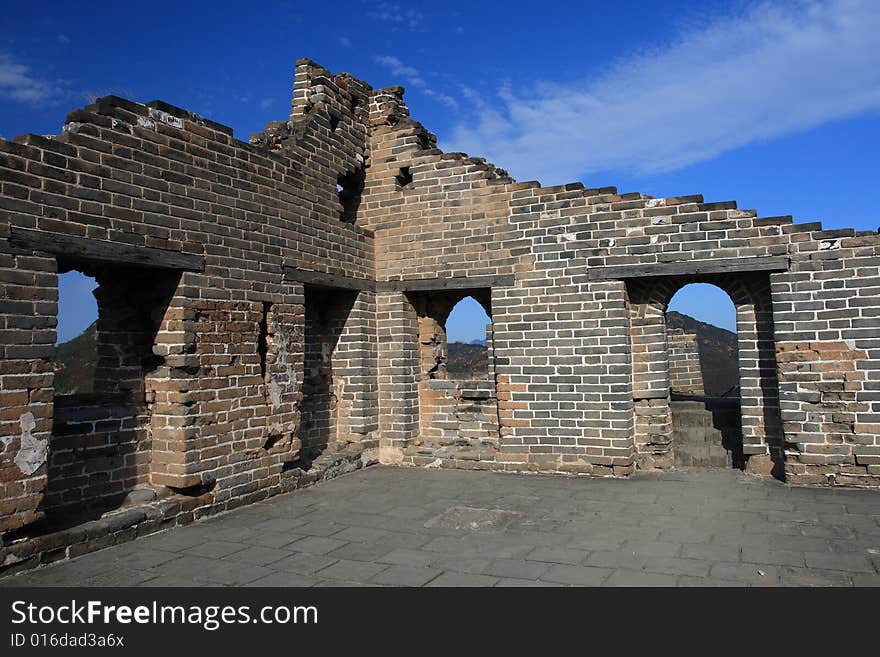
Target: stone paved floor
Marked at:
409, 527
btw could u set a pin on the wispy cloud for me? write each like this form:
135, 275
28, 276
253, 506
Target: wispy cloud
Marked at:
344, 41
399, 70
446, 99
774, 69
411, 77
19, 83
266, 103
396, 15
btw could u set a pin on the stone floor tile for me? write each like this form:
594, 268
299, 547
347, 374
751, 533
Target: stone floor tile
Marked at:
576, 575
519, 568
639, 578
691, 528
462, 579
405, 576
351, 571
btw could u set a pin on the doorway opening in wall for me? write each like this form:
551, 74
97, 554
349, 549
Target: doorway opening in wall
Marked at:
325, 405
457, 394
704, 388
76, 354
467, 329
100, 448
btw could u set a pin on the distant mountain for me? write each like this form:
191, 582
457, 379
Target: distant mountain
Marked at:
467, 360
75, 363
718, 352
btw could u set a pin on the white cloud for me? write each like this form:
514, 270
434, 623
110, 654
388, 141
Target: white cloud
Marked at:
266, 103
344, 41
414, 79
399, 70
775, 69
447, 100
387, 12
18, 83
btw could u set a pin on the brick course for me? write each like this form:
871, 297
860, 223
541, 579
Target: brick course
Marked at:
685, 375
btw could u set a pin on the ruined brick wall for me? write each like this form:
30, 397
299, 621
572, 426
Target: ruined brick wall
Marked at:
161, 178
351, 194
582, 362
448, 199
685, 374
28, 311
458, 421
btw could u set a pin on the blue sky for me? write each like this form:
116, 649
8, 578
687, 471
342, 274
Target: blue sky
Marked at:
774, 104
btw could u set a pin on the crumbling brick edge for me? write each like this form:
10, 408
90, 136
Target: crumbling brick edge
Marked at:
133, 523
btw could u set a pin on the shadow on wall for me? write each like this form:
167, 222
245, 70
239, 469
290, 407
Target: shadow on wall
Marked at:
100, 447
326, 313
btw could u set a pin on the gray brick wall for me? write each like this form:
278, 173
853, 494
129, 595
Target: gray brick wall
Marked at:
685, 374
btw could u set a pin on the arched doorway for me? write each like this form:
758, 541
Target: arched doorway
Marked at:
457, 393
704, 389
648, 299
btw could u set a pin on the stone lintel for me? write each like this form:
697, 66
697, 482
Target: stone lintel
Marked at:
689, 267
96, 250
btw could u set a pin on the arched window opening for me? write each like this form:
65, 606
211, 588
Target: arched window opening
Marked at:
467, 335
457, 396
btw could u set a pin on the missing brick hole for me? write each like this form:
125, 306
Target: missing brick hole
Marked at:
263, 339
196, 490
334, 121
300, 464
152, 362
404, 177
271, 441
349, 187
